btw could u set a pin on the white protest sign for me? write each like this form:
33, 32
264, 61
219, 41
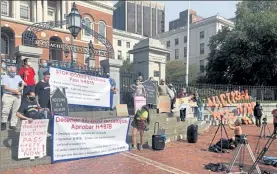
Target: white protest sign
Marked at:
81, 89
76, 138
32, 140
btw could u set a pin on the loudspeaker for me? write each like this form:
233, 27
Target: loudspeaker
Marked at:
192, 133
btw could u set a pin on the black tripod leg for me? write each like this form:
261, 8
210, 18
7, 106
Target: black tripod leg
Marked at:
214, 135
263, 152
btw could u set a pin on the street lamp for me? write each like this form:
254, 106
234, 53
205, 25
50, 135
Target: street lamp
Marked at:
74, 25
73, 21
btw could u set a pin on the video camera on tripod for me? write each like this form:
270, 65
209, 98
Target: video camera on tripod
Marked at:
265, 119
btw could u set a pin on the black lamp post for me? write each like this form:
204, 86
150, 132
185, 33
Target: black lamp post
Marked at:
74, 25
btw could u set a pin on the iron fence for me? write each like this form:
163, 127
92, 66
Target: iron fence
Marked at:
266, 94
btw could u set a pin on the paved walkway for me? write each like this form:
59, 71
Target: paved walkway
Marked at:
178, 157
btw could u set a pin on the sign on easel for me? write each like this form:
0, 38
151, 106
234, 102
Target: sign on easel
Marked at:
59, 105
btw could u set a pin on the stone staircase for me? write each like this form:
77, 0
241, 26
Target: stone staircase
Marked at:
174, 130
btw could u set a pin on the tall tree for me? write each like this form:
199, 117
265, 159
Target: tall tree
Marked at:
246, 55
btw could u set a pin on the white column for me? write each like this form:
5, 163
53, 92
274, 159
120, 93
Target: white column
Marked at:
39, 11
151, 5
45, 11
69, 6
34, 11
63, 13
58, 11
16, 10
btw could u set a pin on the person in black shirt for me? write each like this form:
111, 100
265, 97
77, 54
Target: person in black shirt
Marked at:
43, 91
30, 110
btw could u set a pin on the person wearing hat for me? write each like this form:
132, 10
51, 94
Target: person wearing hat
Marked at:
172, 93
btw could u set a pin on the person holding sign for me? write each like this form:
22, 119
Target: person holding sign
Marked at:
29, 109
138, 88
140, 123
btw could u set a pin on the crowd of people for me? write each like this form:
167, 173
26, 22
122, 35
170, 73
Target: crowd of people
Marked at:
22, 96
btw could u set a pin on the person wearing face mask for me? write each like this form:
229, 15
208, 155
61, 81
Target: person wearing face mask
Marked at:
42, 91
12, 86
27, 73
42, 68
138, 88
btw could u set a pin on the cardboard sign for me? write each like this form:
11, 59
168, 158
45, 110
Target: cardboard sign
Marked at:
59, 104
122, 110
32, 140
164, 104
139, 101
76, 138
151, 92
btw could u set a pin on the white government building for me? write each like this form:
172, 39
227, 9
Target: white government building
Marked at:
176, 41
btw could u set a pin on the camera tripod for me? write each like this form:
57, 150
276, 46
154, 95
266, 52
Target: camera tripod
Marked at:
262, 134
263, 152
221, 126
240, 152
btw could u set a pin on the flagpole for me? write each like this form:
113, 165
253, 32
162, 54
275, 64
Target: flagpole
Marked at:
187, 62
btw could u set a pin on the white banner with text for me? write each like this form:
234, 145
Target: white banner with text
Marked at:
76, 138
81, 89
32, 139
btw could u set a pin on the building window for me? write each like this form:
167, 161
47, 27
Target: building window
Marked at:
102, 28
177, 41
176, 54
25, 10
202, 66
119, 55
119, 43
202, 35
5, 8
168, 44
128, 44
185, 39
89, 24
51, 14
202, 48
4, 44
127, 56
185, 52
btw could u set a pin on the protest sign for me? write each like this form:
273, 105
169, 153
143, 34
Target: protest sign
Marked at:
32, 139
59, 104
81, 89
151, 92
76, 138
139, 101
122, 110
164, 104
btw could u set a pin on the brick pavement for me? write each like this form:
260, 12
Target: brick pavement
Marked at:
178, 157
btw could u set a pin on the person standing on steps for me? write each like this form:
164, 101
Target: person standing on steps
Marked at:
112, 91
42, 91
199, 107
140, 123
172, 93
258, 113
43, 67
12, 88
27, 73
184, 104
138, 88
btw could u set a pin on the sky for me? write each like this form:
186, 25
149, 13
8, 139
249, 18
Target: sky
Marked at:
203, 8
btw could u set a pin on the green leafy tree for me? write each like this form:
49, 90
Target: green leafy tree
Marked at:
176, 71
126, 65
246, 55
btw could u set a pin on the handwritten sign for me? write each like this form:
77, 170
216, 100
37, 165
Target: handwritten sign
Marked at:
32, 140
76, 138
185, 101
122, 110
151, 92
164, 104
139, 101
59, 103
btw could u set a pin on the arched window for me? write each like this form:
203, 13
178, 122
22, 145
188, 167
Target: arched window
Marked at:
102, 28
89, 24
4, 44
